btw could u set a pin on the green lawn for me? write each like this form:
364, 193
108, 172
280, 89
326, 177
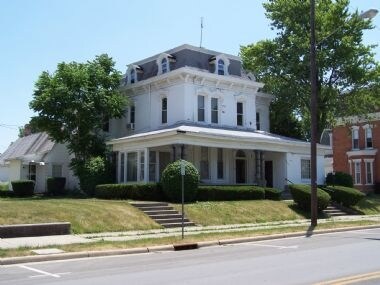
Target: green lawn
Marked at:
239, 212
85, 215
369, 205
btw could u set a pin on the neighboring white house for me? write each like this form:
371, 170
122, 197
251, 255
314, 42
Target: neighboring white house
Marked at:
36, 157
200, 105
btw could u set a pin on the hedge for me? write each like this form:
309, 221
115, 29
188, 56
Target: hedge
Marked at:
229, 193
302, 196
56, 185
143, 191
23, 188
272, 194
344, 195
339, 178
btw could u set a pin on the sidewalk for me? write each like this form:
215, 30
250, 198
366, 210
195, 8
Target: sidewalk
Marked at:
46, 241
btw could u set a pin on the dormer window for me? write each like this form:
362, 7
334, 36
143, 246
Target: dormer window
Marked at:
164, 65
221, 67
133, 76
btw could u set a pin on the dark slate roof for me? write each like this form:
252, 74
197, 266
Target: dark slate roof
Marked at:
34, 145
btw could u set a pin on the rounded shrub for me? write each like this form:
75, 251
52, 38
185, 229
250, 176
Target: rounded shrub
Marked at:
23, 188
229, 192
56, 185
339, 178
302, 197
272, 194
171, 181
346, 196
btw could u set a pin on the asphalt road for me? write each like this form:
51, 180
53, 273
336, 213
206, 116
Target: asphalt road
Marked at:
344, 257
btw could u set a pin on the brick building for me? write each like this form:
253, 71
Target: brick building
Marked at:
355, 143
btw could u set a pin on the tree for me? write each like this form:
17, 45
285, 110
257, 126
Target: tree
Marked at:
348, 74
74, 102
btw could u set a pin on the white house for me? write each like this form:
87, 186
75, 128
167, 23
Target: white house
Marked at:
200, 105
36, 157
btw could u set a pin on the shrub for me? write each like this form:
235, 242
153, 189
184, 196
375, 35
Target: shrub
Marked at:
23, 188
339, 178
229, 192
272, 194
171, 181
4, 186
302, 196
145, 192
56, 185
346, 196
377, 188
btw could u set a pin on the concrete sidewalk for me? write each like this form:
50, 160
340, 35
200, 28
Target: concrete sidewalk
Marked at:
47, 241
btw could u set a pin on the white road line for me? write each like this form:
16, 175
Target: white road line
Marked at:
43, 275
40, 271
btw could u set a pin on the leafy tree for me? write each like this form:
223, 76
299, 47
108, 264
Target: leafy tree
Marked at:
73, 103
348, 74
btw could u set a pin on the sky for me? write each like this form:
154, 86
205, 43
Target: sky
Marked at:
36, 35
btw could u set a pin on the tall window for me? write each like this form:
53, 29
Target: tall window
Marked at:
368, 138
133, 76
239, 113
221, 67
358, 173
164, 65
355, 139
32, 172
152, 166
205, 174
142, 165
305, 169
132, 166
201, 108
122, 163
214, 110
164, 110
132, 118
220, 168
369, 172
257, 121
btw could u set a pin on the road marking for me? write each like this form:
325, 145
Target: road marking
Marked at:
352, 279
43, 275
40, 271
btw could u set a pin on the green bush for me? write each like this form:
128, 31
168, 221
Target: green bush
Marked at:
272, 194
23, 188
339, 178
229, 192
302, 196
144, 192
4, 186
346, 196
171, 181
377, 188
56, 185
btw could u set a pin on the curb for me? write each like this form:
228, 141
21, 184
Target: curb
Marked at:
172, 247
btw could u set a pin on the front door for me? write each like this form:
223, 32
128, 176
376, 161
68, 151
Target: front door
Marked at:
269, 173
164, 160
240, 170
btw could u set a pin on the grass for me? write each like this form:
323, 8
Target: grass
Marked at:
240, 212
369, 205
85, 215
109, 245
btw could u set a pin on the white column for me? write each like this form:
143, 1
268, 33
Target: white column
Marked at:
146, 165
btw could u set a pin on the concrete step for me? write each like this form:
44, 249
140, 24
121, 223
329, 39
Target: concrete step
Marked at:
177, 225
333, 211
148, 204
160, 212
165, 216
155, 208
170, 220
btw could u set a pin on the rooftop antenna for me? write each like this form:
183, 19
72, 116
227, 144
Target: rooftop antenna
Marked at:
200, 44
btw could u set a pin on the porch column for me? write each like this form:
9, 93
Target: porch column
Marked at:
257, 166
174, 153
146, 165
262, 164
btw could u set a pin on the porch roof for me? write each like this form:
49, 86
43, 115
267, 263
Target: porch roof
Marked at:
213, 137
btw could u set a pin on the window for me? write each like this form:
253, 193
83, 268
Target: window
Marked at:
152, 166
56, 170
239, 113
164, 65
122, 163
32, 172
132, 115
221, 67
204, 163
142, 165
358, 173
201, 108
220, 167
164, 110
305, 169
368, 138
369, 172
133, 76
355, 138
258, 121
132, 166
214, 110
